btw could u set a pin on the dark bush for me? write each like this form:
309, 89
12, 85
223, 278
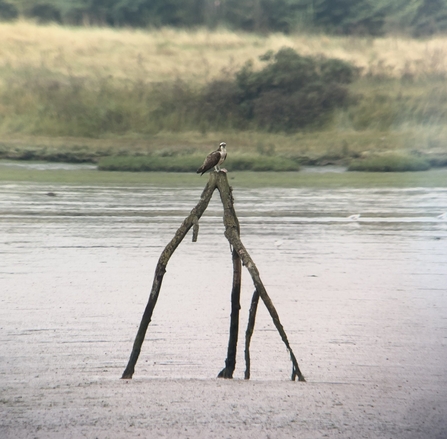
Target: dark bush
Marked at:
289, 93
7, 11
336, 70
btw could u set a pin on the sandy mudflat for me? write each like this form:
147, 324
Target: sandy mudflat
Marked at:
171, 408
364, 305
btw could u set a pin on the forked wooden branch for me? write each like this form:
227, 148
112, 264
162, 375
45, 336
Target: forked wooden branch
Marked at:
232, 234
230, 362
190, 221
249, 331
239, 254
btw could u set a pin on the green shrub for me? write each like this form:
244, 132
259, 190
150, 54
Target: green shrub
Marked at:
392, 162
289, 93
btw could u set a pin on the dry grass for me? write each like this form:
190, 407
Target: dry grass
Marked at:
156, 55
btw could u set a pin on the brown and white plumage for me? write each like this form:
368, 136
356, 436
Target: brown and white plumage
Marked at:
214, 159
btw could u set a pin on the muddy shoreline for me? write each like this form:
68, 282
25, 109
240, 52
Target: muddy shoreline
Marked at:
364, 304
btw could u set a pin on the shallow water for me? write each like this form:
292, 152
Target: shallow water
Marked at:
360, 300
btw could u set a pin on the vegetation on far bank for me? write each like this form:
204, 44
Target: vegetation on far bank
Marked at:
366, 17
190, 163
318, 148
83, 94
9, 172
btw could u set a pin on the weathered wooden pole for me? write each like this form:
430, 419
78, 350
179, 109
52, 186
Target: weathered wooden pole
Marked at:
190, 221
249, 331
230, 362
239, 254
232, 234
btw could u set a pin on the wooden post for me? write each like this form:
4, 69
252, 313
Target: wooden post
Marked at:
249, 331
239, 254
232, 234
230, 362
190, 221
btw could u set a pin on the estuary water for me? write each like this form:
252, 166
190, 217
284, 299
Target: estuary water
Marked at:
358, 277
349, 270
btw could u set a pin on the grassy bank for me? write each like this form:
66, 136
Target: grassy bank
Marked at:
301, 149
189, 163
390, 162
17, 174
82, 94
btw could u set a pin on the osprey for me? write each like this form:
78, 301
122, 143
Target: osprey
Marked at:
214, 159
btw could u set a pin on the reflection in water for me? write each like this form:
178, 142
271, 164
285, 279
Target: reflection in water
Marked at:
76, 270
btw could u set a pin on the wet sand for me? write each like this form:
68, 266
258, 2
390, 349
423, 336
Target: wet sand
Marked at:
364, 304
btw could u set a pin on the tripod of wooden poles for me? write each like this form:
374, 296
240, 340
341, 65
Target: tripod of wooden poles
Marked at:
240, 256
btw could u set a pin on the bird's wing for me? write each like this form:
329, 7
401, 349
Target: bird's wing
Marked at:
211, 160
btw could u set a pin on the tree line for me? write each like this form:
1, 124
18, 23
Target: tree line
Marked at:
349, 17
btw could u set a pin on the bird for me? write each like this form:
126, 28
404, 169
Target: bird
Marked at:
279, 243
214, 159
355, 217
443, 216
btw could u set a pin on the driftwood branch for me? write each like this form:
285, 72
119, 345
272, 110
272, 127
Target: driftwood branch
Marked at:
249, 331
239, 255
232, 234
191, 220
230, 362
195, 229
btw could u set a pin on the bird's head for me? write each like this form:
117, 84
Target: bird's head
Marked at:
222, 146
